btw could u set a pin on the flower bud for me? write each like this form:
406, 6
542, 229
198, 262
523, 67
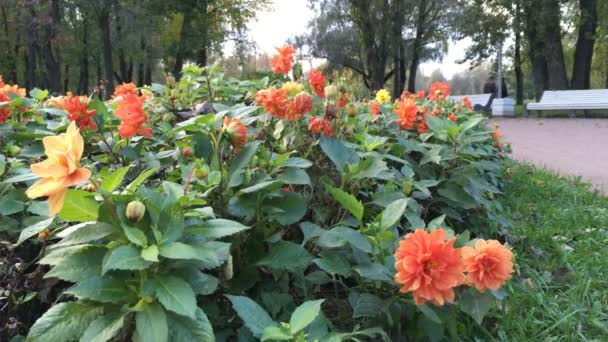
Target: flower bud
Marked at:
135, 211
170, 81
351, 109
407, 185
175, 93
43, 235
201, 172
90, 187
14, 150
187, 152
168, 117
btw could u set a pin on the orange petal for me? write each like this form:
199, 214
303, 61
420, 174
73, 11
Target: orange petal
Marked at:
77, 177
49, 168
45, 187
56, 201
53, 145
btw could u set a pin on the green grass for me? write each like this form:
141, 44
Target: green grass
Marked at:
560, 236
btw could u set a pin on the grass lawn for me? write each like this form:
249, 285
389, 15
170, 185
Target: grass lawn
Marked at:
560, 237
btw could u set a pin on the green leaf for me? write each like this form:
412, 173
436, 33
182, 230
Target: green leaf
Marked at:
216, 228
304, 315
81, 265
211, 254
151, 324
339, 154
333, 263
21, 178
101, 289
242, 160
104, 328
150, 253
348, 201
274, 333
430, 313
374, 271
436, 222
79, 206
87, 232
393, 213
273, 185
256, 319
141, 179
34, 229
476, 304
457, 195
135, 235
175, 295
339, 236
291, 207
124, 258
285, 255
294, 175
64, 322
297, 162
113, 181
366, 305
185, 329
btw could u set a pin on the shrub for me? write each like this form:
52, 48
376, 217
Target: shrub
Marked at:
282, 203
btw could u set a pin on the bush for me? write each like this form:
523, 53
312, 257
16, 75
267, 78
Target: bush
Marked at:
280, 202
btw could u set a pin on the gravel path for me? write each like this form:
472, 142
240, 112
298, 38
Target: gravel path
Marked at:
576, 147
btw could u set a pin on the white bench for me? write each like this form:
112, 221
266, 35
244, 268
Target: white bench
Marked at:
571, 100
477, 100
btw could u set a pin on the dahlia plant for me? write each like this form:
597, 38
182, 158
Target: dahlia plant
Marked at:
208, 208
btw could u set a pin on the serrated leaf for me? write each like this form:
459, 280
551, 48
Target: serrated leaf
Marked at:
348, 201
175, 295
64, 322
285, 255
151, 324
102, 289
333, 263
216, 228
304, 315
340, 236
211, 254
79, 206
430, 313
81, 265
87, 233
141, 179
150, 253
256, 319
113, 181
34, 229
338, 153
294, 175
476, 304
124, 258
276, 334
135, 235
187, 329
104, 328
393, 213
366, 305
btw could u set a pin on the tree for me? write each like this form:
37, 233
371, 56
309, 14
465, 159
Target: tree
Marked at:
583, 55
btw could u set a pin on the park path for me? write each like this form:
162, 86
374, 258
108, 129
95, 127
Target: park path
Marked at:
574, 147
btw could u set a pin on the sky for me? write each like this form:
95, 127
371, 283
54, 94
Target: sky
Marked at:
288, 18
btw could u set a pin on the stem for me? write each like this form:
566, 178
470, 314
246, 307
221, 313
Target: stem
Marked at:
189, 179
106, 200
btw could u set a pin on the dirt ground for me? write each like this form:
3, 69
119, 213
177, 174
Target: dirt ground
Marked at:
576, 147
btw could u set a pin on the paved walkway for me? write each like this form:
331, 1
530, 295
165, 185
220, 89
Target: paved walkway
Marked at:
577, 147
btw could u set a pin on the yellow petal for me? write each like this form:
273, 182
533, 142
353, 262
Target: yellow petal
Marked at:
54, 145
56, 202
49, 168
45, 187
75, 141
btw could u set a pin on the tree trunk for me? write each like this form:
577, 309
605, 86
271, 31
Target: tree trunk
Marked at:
83, 80
583, 55
11, 54
202, 52
122, 61
140, 66
519, 78
180, 56
51, 54
420, 19
66, 80
32, 40
397, 35
104, 26
535, 47
554, 54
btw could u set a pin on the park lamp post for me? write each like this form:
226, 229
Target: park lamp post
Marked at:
501, 106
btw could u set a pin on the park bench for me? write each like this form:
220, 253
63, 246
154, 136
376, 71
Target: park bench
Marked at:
570, 100
480, 102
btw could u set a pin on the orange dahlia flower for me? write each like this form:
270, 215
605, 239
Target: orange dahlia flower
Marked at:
375, 108
489, 264
125, 89
420, 94
429, 266
275, 101
235, 131
407, 112
5, 110
303, 103
62, 168
317, 82
452, 117
319, 125
422, 126
78, 112
467, 102
281, 63
130, 110
14, 89
439, 91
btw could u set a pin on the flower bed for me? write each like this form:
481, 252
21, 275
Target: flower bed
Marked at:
273, 209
